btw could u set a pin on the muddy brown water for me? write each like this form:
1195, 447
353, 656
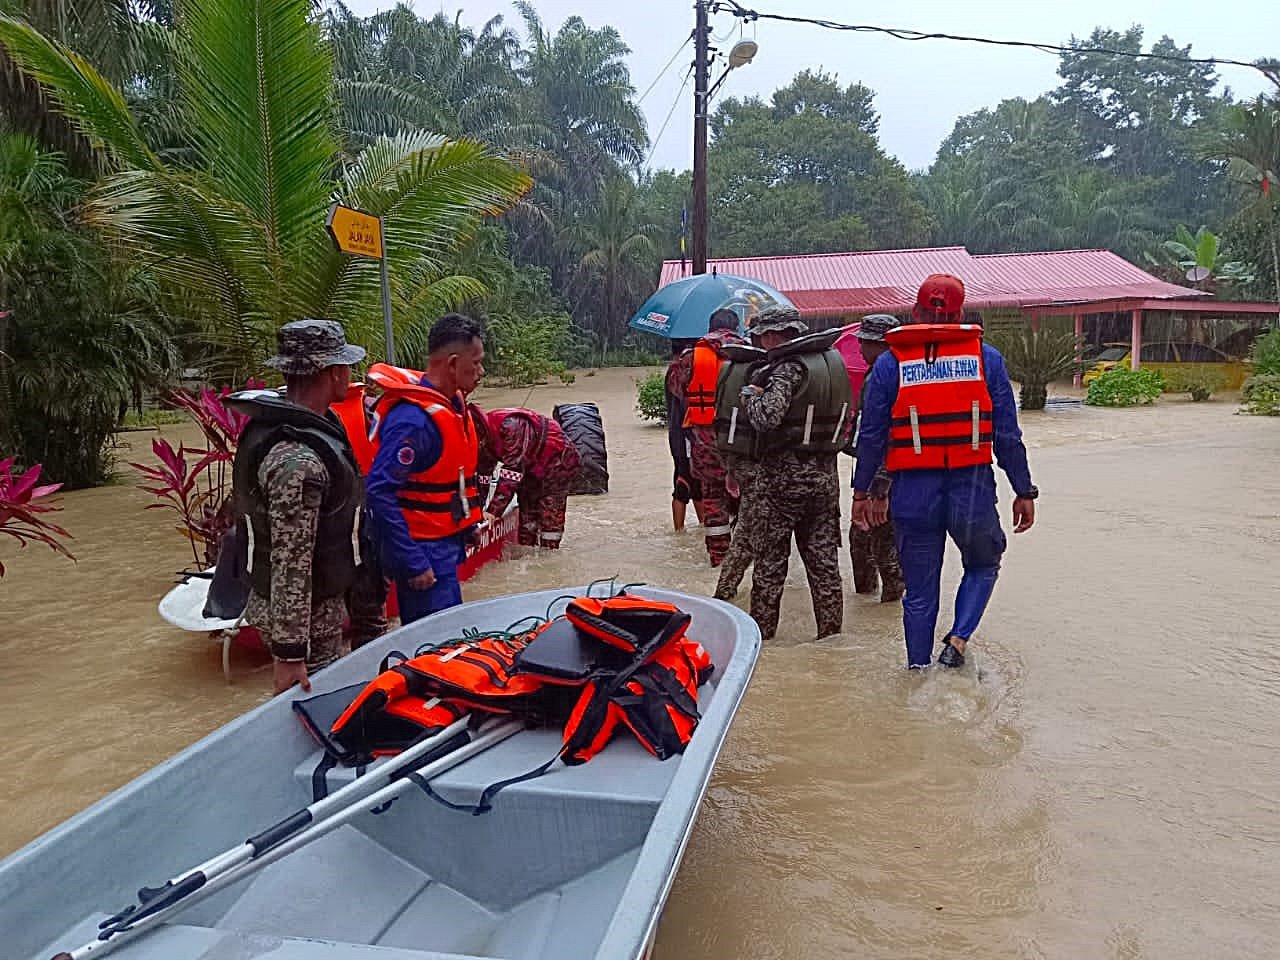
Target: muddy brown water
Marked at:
1101, 782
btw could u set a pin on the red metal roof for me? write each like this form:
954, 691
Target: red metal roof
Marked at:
887, 280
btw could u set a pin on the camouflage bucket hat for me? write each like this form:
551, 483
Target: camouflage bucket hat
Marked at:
777, 319
875, 326
309, 346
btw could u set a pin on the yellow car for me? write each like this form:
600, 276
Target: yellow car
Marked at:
1171, 357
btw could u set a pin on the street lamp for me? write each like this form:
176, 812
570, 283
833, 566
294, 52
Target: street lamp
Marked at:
743, 52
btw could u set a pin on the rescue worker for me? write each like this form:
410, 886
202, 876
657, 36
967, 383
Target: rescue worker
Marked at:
938, 405
684, 487
539, 465
297, 481
422, 486
874, 554
743, 469
800, 404
697, 372
367, 597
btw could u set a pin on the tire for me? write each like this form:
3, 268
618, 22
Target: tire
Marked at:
583, 426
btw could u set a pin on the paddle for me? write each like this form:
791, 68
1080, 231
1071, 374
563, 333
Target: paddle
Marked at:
160, 904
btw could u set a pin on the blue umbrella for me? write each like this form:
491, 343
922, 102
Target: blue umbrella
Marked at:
682, 310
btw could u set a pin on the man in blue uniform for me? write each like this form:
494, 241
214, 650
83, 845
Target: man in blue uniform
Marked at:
943, 480
422, 521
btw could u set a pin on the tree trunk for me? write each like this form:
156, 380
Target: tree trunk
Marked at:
1034, 396
7, 444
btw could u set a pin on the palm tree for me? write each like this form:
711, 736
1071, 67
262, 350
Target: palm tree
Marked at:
1035, 359
1251, 145
613, 253
238, 239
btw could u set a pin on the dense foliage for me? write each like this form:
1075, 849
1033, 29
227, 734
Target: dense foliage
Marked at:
164, 175
1123, 387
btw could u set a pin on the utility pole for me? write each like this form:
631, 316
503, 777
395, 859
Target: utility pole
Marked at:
701, 80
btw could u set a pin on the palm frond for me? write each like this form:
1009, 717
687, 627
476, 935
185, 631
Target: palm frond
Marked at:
96, 107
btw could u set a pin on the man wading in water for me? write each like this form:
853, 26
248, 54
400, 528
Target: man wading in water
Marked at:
296, 479
938, 405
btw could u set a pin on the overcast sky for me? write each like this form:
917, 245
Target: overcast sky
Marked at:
921, 87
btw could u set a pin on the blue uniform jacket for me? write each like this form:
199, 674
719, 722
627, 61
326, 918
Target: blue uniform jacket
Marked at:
409, 442
881, 392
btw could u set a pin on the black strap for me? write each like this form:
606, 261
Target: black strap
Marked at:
984, 416
942, 441
320, 777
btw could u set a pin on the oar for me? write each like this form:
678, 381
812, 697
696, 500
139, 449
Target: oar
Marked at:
161, 904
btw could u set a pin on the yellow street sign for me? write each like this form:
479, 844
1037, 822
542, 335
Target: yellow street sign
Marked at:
356, 233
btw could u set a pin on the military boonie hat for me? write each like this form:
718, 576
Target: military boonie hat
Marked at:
874, 326
777, 319
941, 293
310, 345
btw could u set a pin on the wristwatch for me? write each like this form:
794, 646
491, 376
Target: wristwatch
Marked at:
1033, 493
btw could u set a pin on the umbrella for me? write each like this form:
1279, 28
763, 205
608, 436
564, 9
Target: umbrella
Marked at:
682, 310
847, 345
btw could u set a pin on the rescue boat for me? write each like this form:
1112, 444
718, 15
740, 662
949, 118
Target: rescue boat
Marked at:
575, 864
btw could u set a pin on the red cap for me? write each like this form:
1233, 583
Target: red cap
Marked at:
940, 294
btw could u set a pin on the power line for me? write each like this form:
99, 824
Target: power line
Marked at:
663, 72
749, 15
675, 103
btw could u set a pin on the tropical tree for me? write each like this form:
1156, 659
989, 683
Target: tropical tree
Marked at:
81, 333
238, 239
1036, 358
1251, 143
1201, 259
615, 257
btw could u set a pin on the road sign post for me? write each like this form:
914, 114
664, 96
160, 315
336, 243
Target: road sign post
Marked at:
359, 234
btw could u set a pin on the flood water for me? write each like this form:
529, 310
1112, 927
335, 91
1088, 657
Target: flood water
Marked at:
1100, 781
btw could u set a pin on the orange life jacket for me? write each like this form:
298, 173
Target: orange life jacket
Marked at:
624, 662
350, 410
443, 499
942, 416
700, 397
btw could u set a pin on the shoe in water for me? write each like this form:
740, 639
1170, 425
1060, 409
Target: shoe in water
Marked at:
892, 594
917, 666
950, 656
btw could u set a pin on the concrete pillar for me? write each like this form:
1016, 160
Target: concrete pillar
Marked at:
1078, 379
1135, 341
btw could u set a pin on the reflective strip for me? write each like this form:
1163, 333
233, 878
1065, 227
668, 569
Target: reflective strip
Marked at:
433, 702
462, 491
718, 531
355, 538
456, 651
688, 447
977, 418
436, 408
248, 525
835, 434
733, 425
551, 537
915, 429
808, 426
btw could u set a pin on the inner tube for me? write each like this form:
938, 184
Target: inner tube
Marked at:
583, 426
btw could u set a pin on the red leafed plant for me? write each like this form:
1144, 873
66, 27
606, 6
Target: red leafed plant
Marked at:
200, 492
22, 502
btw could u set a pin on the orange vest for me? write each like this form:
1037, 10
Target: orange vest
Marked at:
351, 412
942, 416
443, 499
700, 397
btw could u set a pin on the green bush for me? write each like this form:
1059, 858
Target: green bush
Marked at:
1125, 388
651, 397
1266, 353
1035, 359
525, 352
1260, 395
1201, 384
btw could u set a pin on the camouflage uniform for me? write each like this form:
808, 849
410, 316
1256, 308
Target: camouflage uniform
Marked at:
546, 466
795, 493
719, 508
742, 549
293, 627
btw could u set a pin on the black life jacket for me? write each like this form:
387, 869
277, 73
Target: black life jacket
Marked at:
336, 551
821, 409
734, 432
